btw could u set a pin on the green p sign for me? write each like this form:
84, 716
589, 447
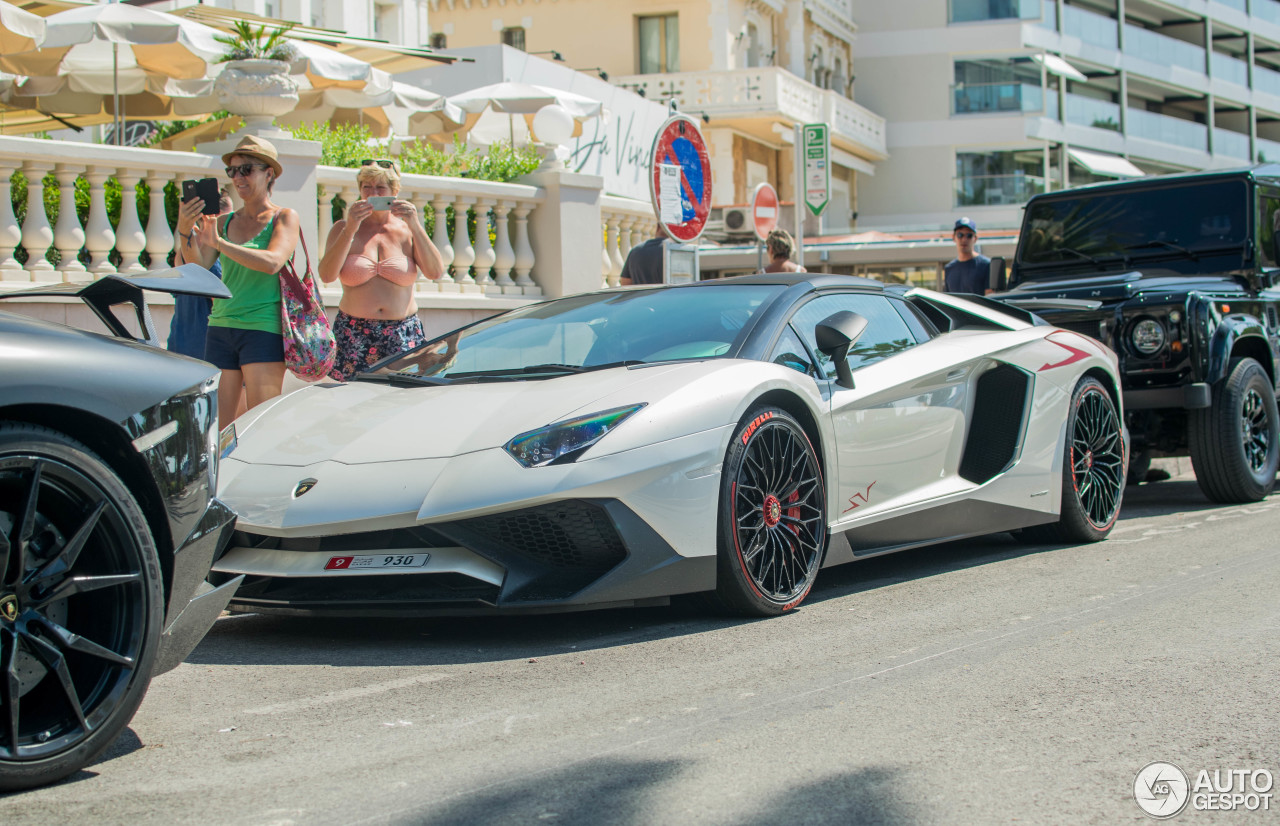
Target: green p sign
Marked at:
817, 166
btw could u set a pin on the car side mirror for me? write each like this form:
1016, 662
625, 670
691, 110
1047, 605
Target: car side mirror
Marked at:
997, 282
835, 334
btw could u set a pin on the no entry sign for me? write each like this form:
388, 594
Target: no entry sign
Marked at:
764, 210
680, 181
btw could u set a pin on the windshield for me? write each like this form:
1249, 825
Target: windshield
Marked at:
587, 332
1111, 228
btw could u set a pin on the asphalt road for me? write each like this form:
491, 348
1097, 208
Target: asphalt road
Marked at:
977, 682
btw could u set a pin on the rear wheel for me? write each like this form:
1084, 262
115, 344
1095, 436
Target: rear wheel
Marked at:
80, 606
1234, 447
1093, 470
772, 516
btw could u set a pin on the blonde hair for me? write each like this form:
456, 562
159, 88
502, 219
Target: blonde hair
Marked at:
375, 175
780, 244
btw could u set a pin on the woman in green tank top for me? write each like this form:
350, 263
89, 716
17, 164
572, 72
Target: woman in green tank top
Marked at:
253, 244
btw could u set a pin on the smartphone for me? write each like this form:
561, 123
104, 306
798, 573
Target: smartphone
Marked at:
207, 189
381, 203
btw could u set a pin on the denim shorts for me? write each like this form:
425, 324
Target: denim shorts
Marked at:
227, 348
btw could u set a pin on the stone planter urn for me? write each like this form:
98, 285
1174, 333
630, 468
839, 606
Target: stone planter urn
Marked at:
257, 90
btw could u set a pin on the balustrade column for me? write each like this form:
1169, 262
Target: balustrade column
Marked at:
10, 234
326, 216
524, 252
99, 237
130, 239
37, 235
615, 258
484, 247
625, 236
68, 235
440, 237
504, 257
159, 234
463, 252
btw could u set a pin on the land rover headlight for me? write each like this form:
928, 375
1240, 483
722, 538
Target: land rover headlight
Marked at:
565, 441
1147, 336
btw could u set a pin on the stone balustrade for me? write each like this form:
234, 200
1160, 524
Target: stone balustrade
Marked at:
627, 223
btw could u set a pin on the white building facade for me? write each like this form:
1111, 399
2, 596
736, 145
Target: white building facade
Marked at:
991, 101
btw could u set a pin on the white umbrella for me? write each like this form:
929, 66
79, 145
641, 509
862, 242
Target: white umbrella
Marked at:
383, 112
505, 110
156, 99
325, 68
123, 43
20, 30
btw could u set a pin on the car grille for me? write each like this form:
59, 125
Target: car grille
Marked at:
378, 592
998, 412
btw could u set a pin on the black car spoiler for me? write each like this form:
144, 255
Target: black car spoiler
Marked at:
115, 289
1034, 304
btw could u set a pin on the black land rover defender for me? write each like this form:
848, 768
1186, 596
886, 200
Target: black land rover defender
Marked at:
1180, 275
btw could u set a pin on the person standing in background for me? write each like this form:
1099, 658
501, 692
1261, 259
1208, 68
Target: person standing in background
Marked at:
644, 262
968, 272
781, 247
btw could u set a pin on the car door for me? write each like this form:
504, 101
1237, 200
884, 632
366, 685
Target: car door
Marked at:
900, 429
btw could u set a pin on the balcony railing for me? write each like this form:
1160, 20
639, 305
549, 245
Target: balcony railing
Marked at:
993, 190
1087, 111
1268, 151
1226, 67
1089, 27
765, 92
1266, 80
125, 223
1238, 5
1231, 144
1163, 50
966, 11
1049, 14
1156, 127
1268, 10
968, 98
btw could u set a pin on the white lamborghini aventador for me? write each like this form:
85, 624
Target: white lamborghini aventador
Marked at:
617, 448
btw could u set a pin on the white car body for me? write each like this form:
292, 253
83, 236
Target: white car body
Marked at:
380, 458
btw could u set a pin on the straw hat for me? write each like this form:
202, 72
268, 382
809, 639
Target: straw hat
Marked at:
255, 147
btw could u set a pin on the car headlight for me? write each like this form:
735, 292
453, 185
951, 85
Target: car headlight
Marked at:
565, 441
1147, 336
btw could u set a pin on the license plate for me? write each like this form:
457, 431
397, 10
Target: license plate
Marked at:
374, 562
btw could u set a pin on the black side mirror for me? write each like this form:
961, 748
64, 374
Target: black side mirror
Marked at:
996, 280
835, 334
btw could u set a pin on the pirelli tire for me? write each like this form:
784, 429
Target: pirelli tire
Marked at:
772, 520
81, 604
1234, 446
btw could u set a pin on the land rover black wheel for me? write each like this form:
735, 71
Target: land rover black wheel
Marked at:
1093, 470
772, 516
80, 606
1234, 447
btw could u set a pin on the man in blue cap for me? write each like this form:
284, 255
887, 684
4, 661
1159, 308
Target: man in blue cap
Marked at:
967, 272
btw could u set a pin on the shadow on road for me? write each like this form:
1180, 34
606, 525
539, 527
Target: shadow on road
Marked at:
616, 792
351, 642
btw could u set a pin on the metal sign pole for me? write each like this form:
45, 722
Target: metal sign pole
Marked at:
799, 194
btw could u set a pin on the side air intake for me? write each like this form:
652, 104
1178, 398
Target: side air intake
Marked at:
999, 413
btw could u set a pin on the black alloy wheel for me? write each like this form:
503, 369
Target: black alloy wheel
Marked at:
773, 527
1093, 472
1235, 444
80, 606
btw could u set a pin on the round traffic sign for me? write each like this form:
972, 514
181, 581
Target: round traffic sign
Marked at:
764, 210
680, 180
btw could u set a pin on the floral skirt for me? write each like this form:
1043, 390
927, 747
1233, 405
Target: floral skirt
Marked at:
363, 342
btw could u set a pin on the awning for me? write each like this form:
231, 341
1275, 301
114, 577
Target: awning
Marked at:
1100, 163
1057, 66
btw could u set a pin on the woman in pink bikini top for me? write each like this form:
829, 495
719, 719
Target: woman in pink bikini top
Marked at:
377, 253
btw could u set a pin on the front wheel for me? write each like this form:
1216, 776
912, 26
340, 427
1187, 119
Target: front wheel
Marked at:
1093, 470
1234, 447
772, 516
80, 606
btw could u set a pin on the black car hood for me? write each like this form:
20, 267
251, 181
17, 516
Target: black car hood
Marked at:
50, 364
1110, 287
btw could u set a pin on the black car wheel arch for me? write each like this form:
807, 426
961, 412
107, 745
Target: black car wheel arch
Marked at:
80, 605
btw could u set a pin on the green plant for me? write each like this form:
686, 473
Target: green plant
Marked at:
1105, 123
249, 42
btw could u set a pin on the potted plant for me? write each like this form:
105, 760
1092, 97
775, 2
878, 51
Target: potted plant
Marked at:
255, 83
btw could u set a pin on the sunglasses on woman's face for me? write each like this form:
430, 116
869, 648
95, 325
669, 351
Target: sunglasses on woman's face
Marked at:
382, 162
244, 169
